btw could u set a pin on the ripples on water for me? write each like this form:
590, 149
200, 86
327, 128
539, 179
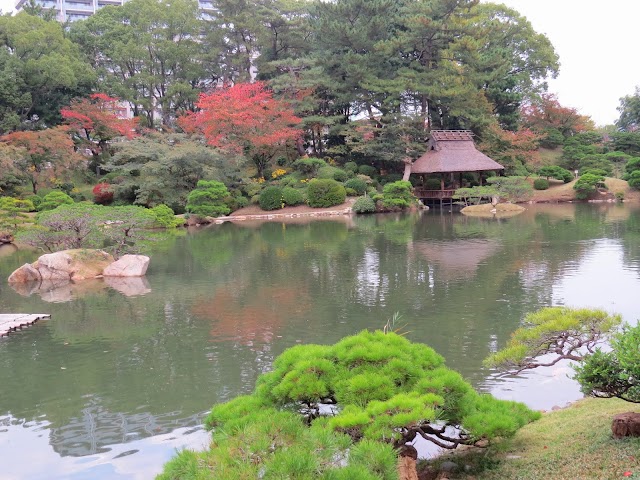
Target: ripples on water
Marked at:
124, 374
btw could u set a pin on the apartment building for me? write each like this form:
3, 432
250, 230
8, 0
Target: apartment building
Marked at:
72, 10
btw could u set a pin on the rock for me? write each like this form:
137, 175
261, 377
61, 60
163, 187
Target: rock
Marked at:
6, 237
72, 264
128, 266
128, 286
626, 425
25, 274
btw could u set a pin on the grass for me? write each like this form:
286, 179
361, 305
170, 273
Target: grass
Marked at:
550, 156
570, 444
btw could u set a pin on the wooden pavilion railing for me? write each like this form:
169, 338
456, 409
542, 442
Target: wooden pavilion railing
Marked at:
436, 194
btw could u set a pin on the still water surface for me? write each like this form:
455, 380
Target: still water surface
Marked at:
124, 373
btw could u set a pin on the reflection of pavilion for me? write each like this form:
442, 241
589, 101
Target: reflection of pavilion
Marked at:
456, 258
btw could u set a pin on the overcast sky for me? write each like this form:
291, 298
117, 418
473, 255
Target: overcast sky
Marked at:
598, 47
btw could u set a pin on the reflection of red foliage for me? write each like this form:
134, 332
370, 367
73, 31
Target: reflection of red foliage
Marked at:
251, 316
103, 193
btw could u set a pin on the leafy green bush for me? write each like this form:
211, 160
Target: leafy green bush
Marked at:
332, 172
292, 196
235, 201
397, 195
390, 178
587, 185
541, 184
207, 199
53, 200
513, 189
598, 162
325, 193
165, 216
634, 179
351, 167
432, 184
357, 184
271, 198
554, 171
309, 166
368, 170
364, 205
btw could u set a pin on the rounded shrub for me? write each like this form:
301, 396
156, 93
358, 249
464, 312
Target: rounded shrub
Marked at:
368, 170
351, 167
432, 184
325, 193
397, 195
541, 184
207, 199
364, 205
356, 184
271, 198
292, 196
165, 216
390, 178
351, 192
103, 193
53, 200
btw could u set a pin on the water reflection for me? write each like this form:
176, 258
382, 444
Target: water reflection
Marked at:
118, 372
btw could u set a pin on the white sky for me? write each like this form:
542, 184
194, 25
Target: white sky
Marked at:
597, 43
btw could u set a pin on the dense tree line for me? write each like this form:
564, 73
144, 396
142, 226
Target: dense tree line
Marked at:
349, 81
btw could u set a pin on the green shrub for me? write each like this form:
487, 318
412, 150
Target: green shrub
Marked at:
368, 170
390, 178
351, 192
309, 166
271, 198
255, 200
252, 188
53, 200
587, 185
236, 201
432, 184
512, 189
325, 193
619, 196
397, 195
340, 175
364, 205
332, 172
554, 171
356, 184
541, 184
351, 167
634, 179
292, 196
207, 199
35, 200
165, 216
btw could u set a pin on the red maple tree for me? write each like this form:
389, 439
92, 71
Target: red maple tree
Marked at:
548, 114
97, 120
244, 118
46, 155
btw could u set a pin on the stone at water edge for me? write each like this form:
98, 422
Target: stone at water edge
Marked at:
128, 266
78, 264
25, 274
626, 425
6, 238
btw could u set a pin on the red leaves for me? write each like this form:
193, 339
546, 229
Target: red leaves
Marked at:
103, 193
99, 118
548, 113
243, 116
53, 142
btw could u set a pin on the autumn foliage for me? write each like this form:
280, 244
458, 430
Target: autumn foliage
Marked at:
244, 118
102, 193
547, 114
96, 120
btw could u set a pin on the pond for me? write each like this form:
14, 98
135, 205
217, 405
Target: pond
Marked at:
123, 374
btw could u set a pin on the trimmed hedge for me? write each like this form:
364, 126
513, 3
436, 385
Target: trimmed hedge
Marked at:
292, 196
541, 184
271, 198
53, 200
325, 193
359, 185
364, 205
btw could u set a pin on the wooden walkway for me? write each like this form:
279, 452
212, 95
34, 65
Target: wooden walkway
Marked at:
10, 322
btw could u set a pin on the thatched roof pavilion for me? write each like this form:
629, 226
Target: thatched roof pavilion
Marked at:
450, 152
453, 151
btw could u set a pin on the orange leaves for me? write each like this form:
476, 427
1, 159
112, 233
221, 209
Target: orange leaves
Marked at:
99, 118
243, 116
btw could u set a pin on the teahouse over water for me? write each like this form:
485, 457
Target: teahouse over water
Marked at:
450, 152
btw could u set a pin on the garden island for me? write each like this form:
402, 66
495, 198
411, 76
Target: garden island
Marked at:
303, 239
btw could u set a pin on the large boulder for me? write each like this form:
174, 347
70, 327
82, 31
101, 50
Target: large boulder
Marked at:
6, 237
25, 274
128, 266
626, 425
66, 265
77, 264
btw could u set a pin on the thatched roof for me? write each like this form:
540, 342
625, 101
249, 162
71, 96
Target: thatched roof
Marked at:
453, 151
